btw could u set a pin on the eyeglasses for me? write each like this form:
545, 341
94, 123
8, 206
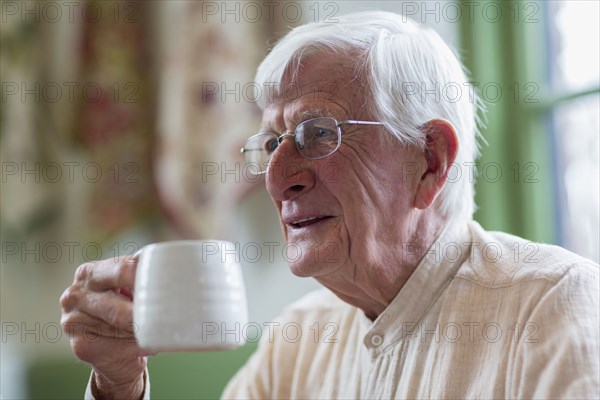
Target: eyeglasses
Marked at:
314, 138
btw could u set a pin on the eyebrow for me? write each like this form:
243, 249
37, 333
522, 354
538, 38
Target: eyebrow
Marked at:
306, 115
315, 113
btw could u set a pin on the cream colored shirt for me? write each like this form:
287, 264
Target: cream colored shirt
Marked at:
484, 315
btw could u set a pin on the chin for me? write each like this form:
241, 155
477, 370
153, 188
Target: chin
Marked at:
301, 270
313, 260
306, 269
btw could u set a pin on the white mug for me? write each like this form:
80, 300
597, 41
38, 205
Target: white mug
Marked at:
189, 296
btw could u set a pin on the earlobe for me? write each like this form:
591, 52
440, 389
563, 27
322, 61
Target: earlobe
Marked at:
439, 154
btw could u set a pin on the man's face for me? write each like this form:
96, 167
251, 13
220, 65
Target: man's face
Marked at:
348, 212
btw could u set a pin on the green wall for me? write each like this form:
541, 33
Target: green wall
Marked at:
173, 375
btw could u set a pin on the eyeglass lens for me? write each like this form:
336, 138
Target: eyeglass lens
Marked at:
315, 138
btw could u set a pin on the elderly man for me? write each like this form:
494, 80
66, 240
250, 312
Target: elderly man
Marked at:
420, 301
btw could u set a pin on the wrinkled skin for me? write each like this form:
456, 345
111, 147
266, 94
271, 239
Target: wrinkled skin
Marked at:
372, 196
98, 317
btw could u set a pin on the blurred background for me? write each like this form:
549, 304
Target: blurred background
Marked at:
121, 123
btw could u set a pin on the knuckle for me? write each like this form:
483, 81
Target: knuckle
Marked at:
70, 327
83, 349
70, 298
72, 323
67, 324
83, 272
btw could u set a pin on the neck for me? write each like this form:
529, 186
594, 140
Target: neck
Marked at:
374, 284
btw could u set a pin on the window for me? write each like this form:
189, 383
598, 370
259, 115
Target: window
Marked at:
574, 76
544, 56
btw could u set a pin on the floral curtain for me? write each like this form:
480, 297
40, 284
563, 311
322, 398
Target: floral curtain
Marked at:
115, 122
157, 100
206, 111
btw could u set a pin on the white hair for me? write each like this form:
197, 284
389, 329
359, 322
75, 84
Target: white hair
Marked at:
403, 63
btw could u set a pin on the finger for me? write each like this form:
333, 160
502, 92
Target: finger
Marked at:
110, 307
107, 274
137, 254
78, 323
125, 292
107, 309
132, 257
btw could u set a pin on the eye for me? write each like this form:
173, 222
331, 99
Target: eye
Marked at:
322, 132
271, 145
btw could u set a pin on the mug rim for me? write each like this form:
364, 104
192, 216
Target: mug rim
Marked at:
182, 242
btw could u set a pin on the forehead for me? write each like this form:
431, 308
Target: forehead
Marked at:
324, 85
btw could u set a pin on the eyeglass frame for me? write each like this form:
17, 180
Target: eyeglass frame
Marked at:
281, 137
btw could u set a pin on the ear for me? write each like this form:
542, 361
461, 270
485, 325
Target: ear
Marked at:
439, 154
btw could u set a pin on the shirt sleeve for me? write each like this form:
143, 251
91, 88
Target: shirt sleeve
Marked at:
558, 353
280, 367
91, 387
253, 380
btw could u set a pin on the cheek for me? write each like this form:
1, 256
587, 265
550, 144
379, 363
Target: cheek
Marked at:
364, 188
322, 255
374, 196
358, 196
282, 225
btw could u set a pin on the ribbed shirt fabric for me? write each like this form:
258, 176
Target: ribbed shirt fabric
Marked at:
484, 315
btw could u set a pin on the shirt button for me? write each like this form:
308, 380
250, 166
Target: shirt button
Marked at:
376, 340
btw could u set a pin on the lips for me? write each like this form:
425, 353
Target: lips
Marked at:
301, 222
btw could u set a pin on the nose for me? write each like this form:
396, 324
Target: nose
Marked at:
289, 175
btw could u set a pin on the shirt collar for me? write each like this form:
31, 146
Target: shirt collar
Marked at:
427, 282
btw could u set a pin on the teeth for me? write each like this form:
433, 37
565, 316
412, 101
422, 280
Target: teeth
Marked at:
304, 220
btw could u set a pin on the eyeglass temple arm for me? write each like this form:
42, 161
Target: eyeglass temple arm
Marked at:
354, 122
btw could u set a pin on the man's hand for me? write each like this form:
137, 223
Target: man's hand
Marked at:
97, 314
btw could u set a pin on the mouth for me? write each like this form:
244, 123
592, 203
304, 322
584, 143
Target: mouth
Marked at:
302, 223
